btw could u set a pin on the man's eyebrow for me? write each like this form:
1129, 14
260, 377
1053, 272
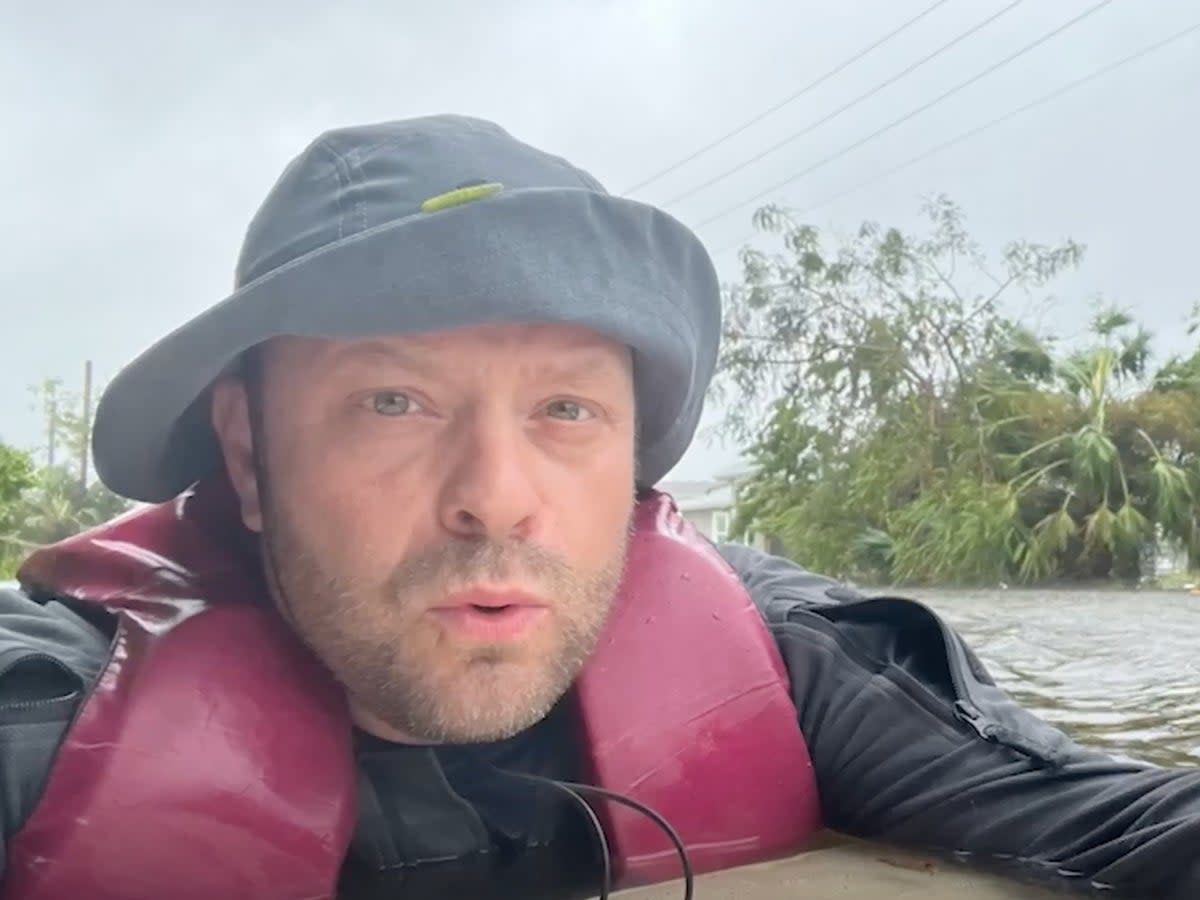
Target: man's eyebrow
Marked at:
579, 365
376, 352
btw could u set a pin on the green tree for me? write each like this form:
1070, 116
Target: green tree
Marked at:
1083, 507
40, 505
57, 506
16, 477
882, 321
16, 474
903, 427
67, 425
851, 371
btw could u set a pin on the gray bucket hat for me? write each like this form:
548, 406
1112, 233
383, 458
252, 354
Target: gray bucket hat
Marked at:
366, 232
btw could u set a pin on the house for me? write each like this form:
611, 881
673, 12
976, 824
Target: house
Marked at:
708, 505
1163, 557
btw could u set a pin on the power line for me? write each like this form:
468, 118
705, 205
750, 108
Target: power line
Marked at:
1045, 98
999, 120
907, 116
782, 103
812, 126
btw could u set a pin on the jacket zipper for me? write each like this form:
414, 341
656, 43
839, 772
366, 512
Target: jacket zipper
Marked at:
967, 711
964, 711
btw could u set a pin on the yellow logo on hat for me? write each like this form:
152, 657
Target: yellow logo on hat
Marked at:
461, 195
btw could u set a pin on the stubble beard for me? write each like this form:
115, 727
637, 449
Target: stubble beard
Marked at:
379, 643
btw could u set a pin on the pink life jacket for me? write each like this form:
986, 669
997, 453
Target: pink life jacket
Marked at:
212, 757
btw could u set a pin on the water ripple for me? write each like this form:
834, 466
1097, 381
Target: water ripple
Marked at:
1116, 670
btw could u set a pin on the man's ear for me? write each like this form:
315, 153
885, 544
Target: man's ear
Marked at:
231, 422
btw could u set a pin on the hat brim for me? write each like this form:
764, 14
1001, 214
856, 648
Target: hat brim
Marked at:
624, 269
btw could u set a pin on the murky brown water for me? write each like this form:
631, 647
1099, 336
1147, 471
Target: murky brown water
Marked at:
1116, 670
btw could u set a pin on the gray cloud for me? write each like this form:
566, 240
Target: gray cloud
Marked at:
139, 139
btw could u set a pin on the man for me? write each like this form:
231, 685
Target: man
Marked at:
407, 583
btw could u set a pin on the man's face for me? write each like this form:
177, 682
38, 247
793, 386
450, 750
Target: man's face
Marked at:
444, 516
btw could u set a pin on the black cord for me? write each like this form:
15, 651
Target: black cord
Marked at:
605, 853
688, 876
577, 793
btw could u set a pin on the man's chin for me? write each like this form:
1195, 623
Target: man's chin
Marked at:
494, 699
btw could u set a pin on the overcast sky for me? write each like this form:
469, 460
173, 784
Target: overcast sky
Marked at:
138, 140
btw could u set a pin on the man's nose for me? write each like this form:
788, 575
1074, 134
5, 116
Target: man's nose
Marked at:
490, 489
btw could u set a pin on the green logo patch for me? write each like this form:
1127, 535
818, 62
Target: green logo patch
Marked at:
459, 196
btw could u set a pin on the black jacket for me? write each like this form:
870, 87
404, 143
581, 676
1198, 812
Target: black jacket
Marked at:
911, 741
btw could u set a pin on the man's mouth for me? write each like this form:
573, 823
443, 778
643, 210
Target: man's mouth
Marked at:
490, 616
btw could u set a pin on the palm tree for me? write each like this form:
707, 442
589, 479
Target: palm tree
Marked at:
1084, 491
57, 506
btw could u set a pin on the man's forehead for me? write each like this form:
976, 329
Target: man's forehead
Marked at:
546, 344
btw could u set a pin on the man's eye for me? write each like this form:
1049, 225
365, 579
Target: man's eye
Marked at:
568, 410
391, 403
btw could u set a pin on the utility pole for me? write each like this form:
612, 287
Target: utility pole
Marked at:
51, 427
86, 424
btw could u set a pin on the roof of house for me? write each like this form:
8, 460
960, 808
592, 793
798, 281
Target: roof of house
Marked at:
699, 496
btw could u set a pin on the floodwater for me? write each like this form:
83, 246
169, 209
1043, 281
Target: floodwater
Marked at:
1117, 670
